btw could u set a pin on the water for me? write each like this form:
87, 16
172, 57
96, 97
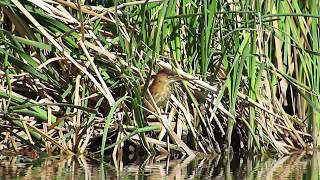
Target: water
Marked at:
298, 166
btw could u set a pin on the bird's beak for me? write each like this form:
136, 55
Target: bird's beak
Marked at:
175, 78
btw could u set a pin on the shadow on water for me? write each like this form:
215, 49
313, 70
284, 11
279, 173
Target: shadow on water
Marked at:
298, 166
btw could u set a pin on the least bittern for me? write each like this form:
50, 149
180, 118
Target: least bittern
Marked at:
160, 89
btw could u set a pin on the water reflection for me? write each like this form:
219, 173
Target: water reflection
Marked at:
299, 166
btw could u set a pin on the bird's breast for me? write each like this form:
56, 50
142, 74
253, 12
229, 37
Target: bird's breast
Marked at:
161, 93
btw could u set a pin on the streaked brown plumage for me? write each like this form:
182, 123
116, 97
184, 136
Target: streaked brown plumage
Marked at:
160, 89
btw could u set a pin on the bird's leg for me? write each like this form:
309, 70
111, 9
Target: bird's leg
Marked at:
150, 103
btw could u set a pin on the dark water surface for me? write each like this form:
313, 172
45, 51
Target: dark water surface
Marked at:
298, 166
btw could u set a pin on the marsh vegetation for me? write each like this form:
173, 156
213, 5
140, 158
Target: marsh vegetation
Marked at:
72, 74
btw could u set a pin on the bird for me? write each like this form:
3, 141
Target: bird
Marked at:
160, 89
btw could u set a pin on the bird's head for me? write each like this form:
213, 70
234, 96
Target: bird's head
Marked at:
165, 75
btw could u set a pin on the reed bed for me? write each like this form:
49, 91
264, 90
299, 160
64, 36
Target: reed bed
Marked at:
71, 75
